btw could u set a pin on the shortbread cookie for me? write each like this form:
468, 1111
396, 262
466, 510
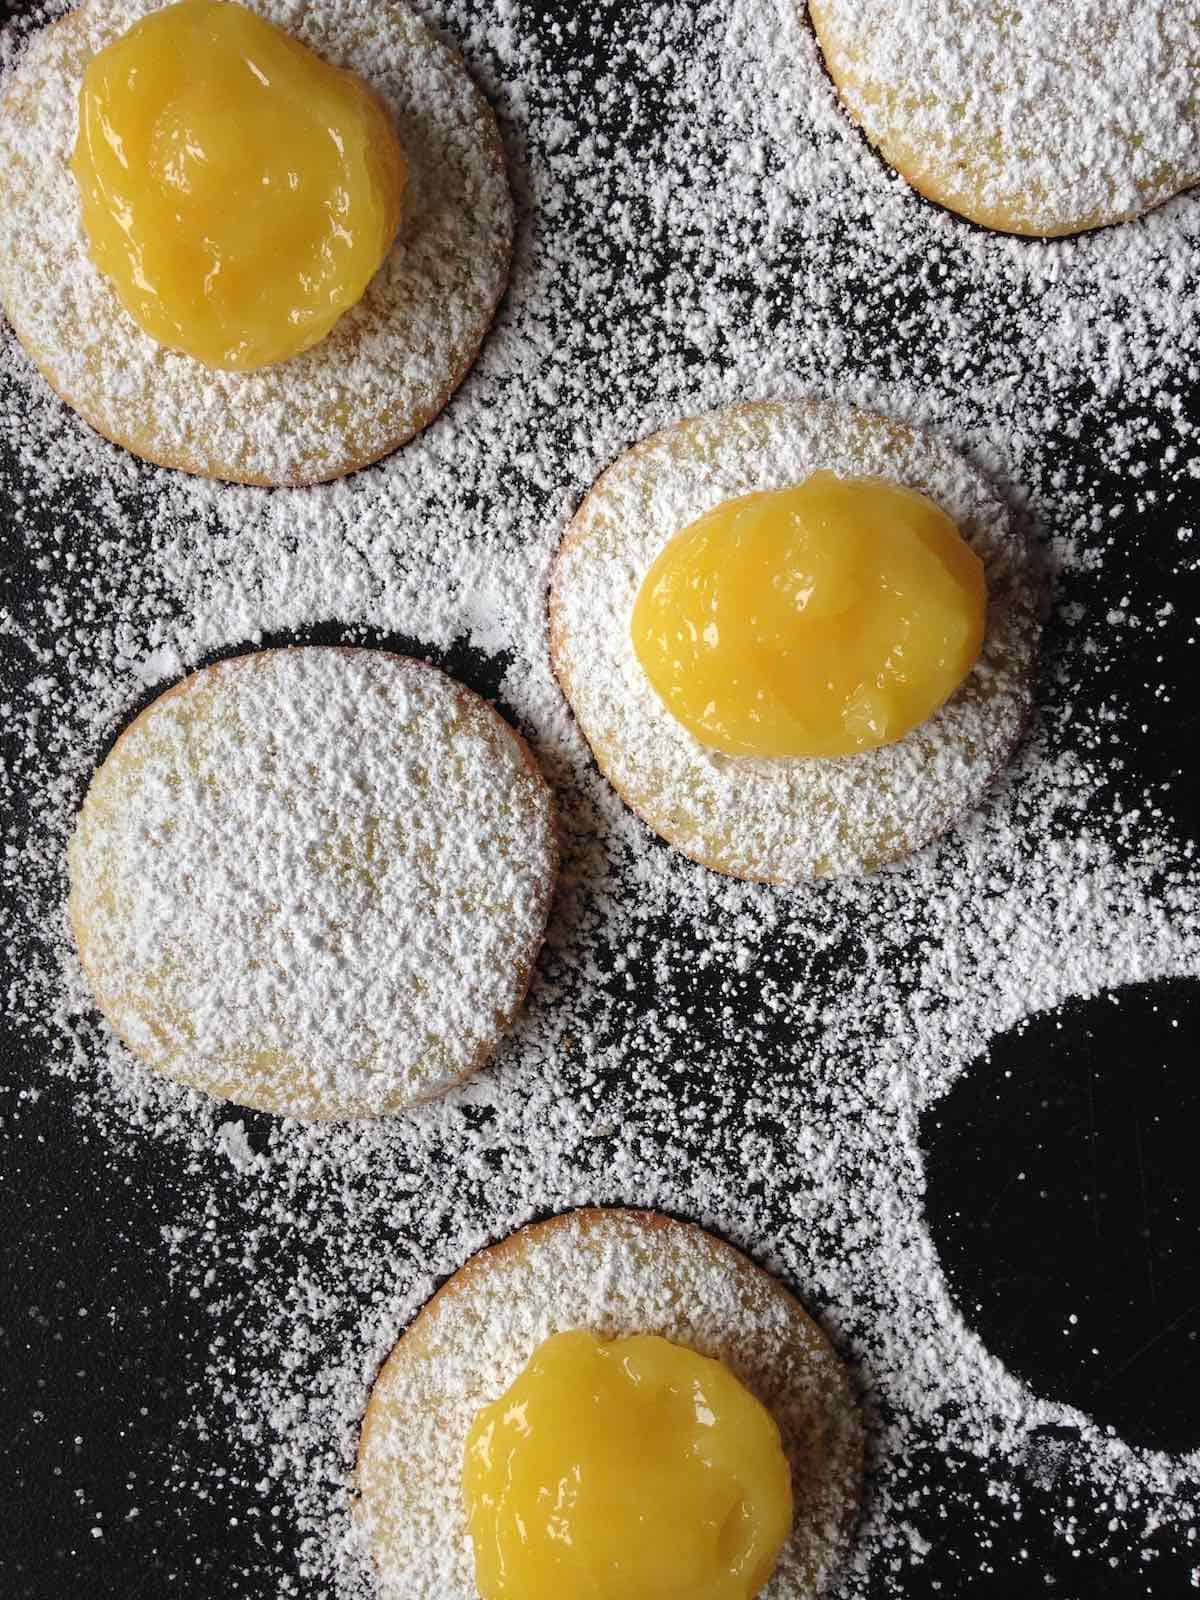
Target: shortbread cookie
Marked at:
390, 363
783, 820
313, 881
616, 1273
1037, 119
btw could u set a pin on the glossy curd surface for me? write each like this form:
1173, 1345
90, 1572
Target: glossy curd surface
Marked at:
631, 1469
239, 192
818, 620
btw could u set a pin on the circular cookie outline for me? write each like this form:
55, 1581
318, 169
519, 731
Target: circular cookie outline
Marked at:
406, 346
287, 1092
953, 166
554, 1275
782, 821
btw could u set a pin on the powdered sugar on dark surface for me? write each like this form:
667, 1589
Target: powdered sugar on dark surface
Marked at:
700, 225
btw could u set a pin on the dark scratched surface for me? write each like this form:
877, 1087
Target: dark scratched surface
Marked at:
1063, 1198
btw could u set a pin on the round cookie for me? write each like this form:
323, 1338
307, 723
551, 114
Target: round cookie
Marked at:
785, 820
1040, 119
617, 1273
388, 366
313, 881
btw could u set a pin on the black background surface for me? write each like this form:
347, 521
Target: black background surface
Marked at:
1062, 1183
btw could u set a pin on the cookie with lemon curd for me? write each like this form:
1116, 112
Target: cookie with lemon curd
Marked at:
1040, 119
273, 267
313, 881
799, 639
724, 1453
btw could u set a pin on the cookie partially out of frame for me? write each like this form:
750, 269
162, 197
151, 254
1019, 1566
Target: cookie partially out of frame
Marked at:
617, 1273
1040, 119
782, 820
314, 881
388, 366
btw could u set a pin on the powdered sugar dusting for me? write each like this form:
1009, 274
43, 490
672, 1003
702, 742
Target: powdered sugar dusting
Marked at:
1038, 118
701, 225
313, 881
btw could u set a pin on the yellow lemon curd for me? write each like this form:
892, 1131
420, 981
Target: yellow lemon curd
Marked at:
817, 620
239, 192
631, 1469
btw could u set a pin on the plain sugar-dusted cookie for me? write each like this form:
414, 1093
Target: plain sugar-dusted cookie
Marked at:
314, 881
1041, 118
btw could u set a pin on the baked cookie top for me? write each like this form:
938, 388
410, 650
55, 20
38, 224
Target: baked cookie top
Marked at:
1042, 118
313, 881
389, 364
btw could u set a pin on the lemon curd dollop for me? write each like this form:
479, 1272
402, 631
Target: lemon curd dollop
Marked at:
631, 1469
818, 620
239, 192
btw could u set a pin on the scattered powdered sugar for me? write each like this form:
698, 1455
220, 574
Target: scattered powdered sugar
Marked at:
701, 224
782, 821
231, 1138
313, 880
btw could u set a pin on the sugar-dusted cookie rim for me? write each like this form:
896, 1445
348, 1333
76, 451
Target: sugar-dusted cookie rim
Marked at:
1042, 120
617, 1272
388, 366
395, 965
782, 821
